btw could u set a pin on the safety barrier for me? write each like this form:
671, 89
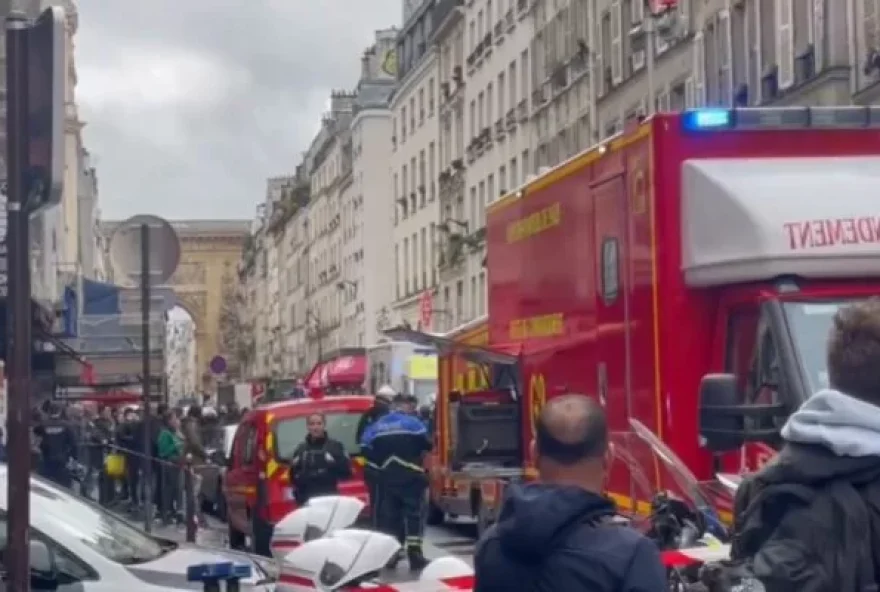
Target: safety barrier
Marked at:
114, 471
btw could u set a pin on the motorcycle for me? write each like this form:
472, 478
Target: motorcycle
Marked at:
668, 504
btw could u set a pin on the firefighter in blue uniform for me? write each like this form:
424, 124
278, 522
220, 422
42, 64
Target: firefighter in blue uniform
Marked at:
396, 444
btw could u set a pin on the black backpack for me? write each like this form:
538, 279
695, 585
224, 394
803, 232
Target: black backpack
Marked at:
804, 538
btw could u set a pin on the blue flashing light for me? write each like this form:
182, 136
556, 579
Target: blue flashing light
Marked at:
707, 119
214, 572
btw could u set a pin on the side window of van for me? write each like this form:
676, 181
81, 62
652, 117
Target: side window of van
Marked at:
249, 452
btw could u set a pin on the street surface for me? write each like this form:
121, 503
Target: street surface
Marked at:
453, 539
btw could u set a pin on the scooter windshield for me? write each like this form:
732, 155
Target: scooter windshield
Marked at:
644, 468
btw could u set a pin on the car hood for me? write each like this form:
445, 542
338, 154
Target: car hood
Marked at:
169, 571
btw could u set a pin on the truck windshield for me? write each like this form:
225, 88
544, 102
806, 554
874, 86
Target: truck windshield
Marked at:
810, 324
341, 426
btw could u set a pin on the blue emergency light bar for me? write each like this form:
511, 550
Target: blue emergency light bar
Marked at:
780, 118
213, 572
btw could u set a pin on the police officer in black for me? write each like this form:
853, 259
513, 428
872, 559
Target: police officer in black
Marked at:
396, 444
381, 406
57, 447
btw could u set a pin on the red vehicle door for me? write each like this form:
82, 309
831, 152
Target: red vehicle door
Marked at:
241, 480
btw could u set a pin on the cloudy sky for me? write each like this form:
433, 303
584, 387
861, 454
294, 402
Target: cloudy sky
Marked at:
191, 104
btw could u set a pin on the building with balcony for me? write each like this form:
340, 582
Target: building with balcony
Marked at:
485, 121
368, 278
331, 163
414, 150
713, 53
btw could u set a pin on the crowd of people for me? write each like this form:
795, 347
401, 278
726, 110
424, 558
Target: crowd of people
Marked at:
106, 453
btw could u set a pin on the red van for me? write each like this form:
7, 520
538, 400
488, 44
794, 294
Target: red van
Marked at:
258, 488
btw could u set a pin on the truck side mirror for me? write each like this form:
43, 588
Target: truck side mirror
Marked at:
722, 427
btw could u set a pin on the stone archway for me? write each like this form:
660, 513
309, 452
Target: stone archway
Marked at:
205, 282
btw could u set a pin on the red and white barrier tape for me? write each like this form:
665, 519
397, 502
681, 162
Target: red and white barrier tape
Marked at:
296, 583
694, 556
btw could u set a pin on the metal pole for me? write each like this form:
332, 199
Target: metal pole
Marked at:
18, 308
650, 34
189, 495
146, 388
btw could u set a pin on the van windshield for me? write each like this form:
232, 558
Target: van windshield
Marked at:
341, 426
810, 323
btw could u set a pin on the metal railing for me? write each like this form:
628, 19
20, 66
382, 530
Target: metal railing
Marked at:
143, 494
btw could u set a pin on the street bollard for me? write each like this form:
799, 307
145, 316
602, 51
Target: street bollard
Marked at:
212, 574
190, 501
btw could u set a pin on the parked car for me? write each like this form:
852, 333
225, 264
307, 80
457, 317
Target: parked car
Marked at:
211, 495
78, 545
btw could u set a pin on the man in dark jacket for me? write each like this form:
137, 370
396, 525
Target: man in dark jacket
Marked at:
557, 534
396, 445
57, 446
319, 463
381, 406
810, 519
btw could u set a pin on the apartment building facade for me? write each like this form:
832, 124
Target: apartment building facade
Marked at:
368, 243
331, 158
414, 149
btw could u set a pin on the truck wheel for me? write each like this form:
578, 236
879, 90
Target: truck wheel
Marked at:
436, 516
484, 520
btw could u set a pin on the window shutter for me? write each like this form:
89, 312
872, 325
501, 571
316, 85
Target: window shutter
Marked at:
785, 43
725, 58
616, 43
699, 76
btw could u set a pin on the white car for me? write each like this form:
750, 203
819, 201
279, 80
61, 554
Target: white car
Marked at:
77, 545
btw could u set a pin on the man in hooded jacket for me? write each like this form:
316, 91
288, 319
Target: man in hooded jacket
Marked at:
810, 519
557, 535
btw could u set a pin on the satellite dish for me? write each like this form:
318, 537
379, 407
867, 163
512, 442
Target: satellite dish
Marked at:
125, 251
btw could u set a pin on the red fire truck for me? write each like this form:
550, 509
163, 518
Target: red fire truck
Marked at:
706, 242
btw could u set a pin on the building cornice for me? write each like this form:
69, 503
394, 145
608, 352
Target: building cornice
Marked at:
371, 113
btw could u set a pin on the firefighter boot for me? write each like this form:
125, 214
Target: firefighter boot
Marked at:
416, 558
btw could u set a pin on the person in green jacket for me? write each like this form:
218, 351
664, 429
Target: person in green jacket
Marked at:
170, 450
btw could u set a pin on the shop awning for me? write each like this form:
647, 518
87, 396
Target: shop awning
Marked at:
318, 376
346, 370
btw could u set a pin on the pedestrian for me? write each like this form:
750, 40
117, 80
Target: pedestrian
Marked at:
128, 438
194, 452
57, 447
318, 463
396, 444
558, 533
170, 449
810, 519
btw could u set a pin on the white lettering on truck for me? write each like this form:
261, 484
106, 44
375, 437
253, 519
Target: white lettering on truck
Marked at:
830, 232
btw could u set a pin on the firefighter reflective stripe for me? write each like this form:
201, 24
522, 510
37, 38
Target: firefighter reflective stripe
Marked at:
394, 460
291, 581
695, 556
272, 465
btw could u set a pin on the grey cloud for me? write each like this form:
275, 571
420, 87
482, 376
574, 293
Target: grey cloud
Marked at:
288, 55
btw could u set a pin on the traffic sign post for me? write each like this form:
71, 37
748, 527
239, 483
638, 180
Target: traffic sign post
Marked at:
35, 78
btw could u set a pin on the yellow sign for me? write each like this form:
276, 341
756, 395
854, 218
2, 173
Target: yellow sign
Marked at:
423, 367
638, 188
536, 223
549, 325
389, 62
537, 397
